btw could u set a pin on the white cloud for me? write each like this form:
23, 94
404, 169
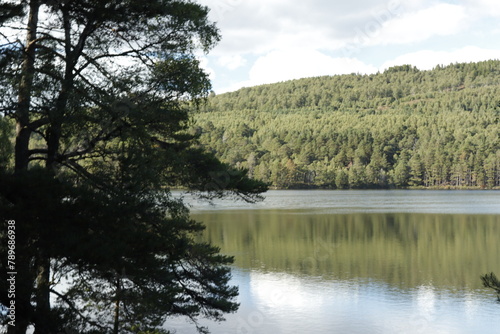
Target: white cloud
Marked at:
282, 65
260, 26
231, 62
438, 20
483, 7
428, 59
204, 64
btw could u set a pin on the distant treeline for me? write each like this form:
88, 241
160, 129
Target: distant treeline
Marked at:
400, 128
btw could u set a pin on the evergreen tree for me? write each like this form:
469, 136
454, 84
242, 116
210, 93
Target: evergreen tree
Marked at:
101, 94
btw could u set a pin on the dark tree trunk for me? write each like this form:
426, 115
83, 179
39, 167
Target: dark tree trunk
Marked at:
42, 312
24, 281
116, 324
23, 131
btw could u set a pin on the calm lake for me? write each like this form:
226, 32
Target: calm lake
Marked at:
358, 261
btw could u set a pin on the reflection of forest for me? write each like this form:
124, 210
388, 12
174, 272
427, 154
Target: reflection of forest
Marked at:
406, 250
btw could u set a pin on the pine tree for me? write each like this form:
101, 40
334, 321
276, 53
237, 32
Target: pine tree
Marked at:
102, 95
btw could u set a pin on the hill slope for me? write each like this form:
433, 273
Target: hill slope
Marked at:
400, 128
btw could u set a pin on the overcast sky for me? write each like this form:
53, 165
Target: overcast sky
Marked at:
266, 41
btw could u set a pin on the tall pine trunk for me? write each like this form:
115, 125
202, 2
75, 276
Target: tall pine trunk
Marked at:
21, 158
116, 322
42, 295
43, 308
23, 131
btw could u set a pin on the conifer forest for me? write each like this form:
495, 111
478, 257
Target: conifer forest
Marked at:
403, 128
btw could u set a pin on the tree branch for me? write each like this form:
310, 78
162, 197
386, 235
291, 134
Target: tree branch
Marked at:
38, 123
73, 307
92, 144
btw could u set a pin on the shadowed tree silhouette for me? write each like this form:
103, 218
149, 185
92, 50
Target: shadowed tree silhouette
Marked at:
491, 281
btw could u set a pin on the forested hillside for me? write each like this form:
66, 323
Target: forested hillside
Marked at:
399, 128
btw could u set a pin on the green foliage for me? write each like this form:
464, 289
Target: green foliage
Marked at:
400, 128
137, 249
102, 96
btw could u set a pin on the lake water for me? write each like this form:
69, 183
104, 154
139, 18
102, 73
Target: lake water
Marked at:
358, 261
